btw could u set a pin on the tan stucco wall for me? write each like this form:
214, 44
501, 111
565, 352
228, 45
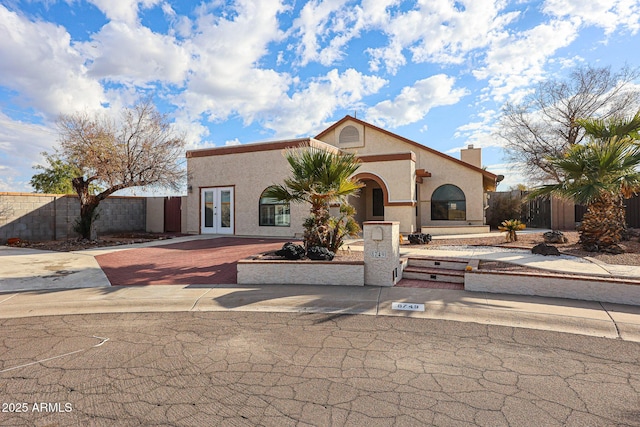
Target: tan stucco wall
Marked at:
250, 174
184, 214
402, 187
563, 214
155, 214
397, 175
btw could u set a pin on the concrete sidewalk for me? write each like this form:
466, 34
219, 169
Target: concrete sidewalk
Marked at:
570, 316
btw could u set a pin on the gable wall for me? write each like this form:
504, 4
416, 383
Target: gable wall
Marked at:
443, 171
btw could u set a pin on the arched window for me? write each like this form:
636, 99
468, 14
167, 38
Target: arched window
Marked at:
349, 134
273, 212
448, 203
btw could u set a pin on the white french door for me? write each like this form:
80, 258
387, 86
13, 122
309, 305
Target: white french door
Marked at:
217, 210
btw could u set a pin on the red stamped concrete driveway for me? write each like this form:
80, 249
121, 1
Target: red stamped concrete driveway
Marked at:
196, 262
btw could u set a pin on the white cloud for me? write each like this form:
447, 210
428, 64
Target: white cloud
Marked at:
39, 62
231, 142
225, 76
480, 133
135, 55
414, 102
518, 60
20, 147
513, 175
325, 27
123, 10
440, 32
306, 111
610, 15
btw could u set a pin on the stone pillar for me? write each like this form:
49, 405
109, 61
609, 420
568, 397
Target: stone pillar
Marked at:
381, 252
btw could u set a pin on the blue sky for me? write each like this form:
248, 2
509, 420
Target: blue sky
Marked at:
229, 72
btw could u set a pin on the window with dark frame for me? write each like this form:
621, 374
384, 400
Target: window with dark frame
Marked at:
274, 213
448, 203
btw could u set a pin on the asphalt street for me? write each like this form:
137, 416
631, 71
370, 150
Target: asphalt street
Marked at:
281, 369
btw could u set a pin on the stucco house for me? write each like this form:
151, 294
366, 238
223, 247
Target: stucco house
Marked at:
405, 181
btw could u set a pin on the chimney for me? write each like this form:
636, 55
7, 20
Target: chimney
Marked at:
471, 155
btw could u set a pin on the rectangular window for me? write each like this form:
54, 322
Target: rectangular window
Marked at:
275, 215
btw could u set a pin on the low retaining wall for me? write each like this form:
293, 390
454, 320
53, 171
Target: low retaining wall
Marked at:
614, 290
282, 272
436, 230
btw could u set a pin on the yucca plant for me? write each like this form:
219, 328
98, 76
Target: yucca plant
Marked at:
511, 226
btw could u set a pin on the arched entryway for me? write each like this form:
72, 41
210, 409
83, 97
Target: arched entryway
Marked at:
374, 196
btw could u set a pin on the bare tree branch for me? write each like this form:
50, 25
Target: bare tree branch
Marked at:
545, 124
141, 150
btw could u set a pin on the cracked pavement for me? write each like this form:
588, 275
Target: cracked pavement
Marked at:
281, 369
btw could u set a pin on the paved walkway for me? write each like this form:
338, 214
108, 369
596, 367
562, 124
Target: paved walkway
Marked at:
199, 262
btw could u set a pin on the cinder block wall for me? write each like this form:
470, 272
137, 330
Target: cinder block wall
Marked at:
39, 217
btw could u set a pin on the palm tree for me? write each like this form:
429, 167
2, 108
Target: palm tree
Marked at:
600, 174
320, 178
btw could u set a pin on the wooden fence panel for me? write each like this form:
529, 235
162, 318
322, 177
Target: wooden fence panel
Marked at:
173, 214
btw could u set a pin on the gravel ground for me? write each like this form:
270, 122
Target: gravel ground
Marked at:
528, 241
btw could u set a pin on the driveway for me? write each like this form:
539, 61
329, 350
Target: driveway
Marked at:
195, 262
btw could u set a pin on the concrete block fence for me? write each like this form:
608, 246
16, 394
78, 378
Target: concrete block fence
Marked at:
38, 217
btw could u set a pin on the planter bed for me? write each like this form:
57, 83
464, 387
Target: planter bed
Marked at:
572, 286
267, 269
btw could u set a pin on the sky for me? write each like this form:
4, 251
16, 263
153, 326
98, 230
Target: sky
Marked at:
233, 72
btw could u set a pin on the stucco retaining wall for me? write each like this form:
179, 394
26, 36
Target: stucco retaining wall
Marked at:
449, 230
276, 272
619, 291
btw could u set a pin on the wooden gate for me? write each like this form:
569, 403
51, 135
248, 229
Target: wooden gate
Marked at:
173, 214
537, 213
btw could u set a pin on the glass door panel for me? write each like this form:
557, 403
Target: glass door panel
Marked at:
217, 210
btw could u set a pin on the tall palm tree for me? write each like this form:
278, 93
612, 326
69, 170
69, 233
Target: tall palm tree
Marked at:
600, 174
320, 178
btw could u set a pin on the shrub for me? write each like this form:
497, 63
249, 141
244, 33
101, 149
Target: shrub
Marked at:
511, 226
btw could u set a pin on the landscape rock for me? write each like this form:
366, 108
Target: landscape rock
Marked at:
291, 251
613, 249
555, 236
419, 238
544, 249
318, 253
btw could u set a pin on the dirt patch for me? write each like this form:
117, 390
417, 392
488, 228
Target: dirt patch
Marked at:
528, 241
116, 239
525, 241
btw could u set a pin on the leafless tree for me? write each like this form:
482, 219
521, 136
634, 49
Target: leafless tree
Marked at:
544, 124
139, 150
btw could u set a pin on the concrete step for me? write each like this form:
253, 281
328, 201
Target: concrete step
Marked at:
429, 284
439, 263
433, 274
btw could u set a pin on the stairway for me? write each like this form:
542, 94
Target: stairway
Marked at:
434, 273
